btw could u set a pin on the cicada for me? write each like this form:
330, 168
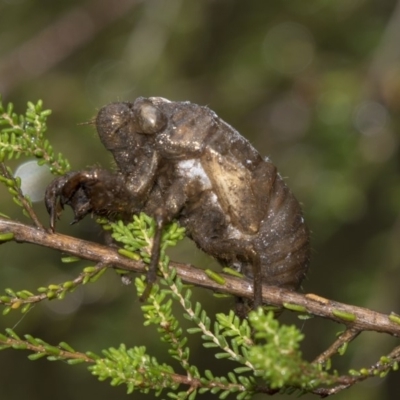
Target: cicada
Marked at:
180, 161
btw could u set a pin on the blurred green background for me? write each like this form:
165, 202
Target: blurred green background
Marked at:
314, 84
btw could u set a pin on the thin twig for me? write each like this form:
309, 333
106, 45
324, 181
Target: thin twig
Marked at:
356, 318
346, 337
16, 302
61, 354
25, 203
380, 368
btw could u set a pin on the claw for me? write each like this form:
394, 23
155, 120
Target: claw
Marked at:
66, 190
80, 205
52, 200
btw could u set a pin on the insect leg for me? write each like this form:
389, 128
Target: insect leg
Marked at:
54, 199
53, 206
257, 279
243, 306
151, 276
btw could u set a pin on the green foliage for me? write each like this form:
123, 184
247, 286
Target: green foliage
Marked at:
258, 347
24, 299
277, 357
25, 135
40, 349
13, 185
137, 236
134, 368
265, 356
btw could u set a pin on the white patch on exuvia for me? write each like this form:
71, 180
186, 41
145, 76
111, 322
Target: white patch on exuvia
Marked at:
193, 169
158, 100
234, 233
237, 266
214, 198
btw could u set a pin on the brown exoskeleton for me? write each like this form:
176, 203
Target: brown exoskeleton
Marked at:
178, 160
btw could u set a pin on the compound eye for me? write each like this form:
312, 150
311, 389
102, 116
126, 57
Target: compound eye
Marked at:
151, 120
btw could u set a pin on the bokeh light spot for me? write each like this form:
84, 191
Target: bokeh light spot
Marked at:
34, 179
370, 117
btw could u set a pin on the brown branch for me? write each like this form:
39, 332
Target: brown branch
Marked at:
345, 338
380, 368
45, 349
54, 291
342, 382
61, 354
355, 318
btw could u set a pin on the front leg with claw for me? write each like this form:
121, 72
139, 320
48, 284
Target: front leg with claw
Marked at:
94, 191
